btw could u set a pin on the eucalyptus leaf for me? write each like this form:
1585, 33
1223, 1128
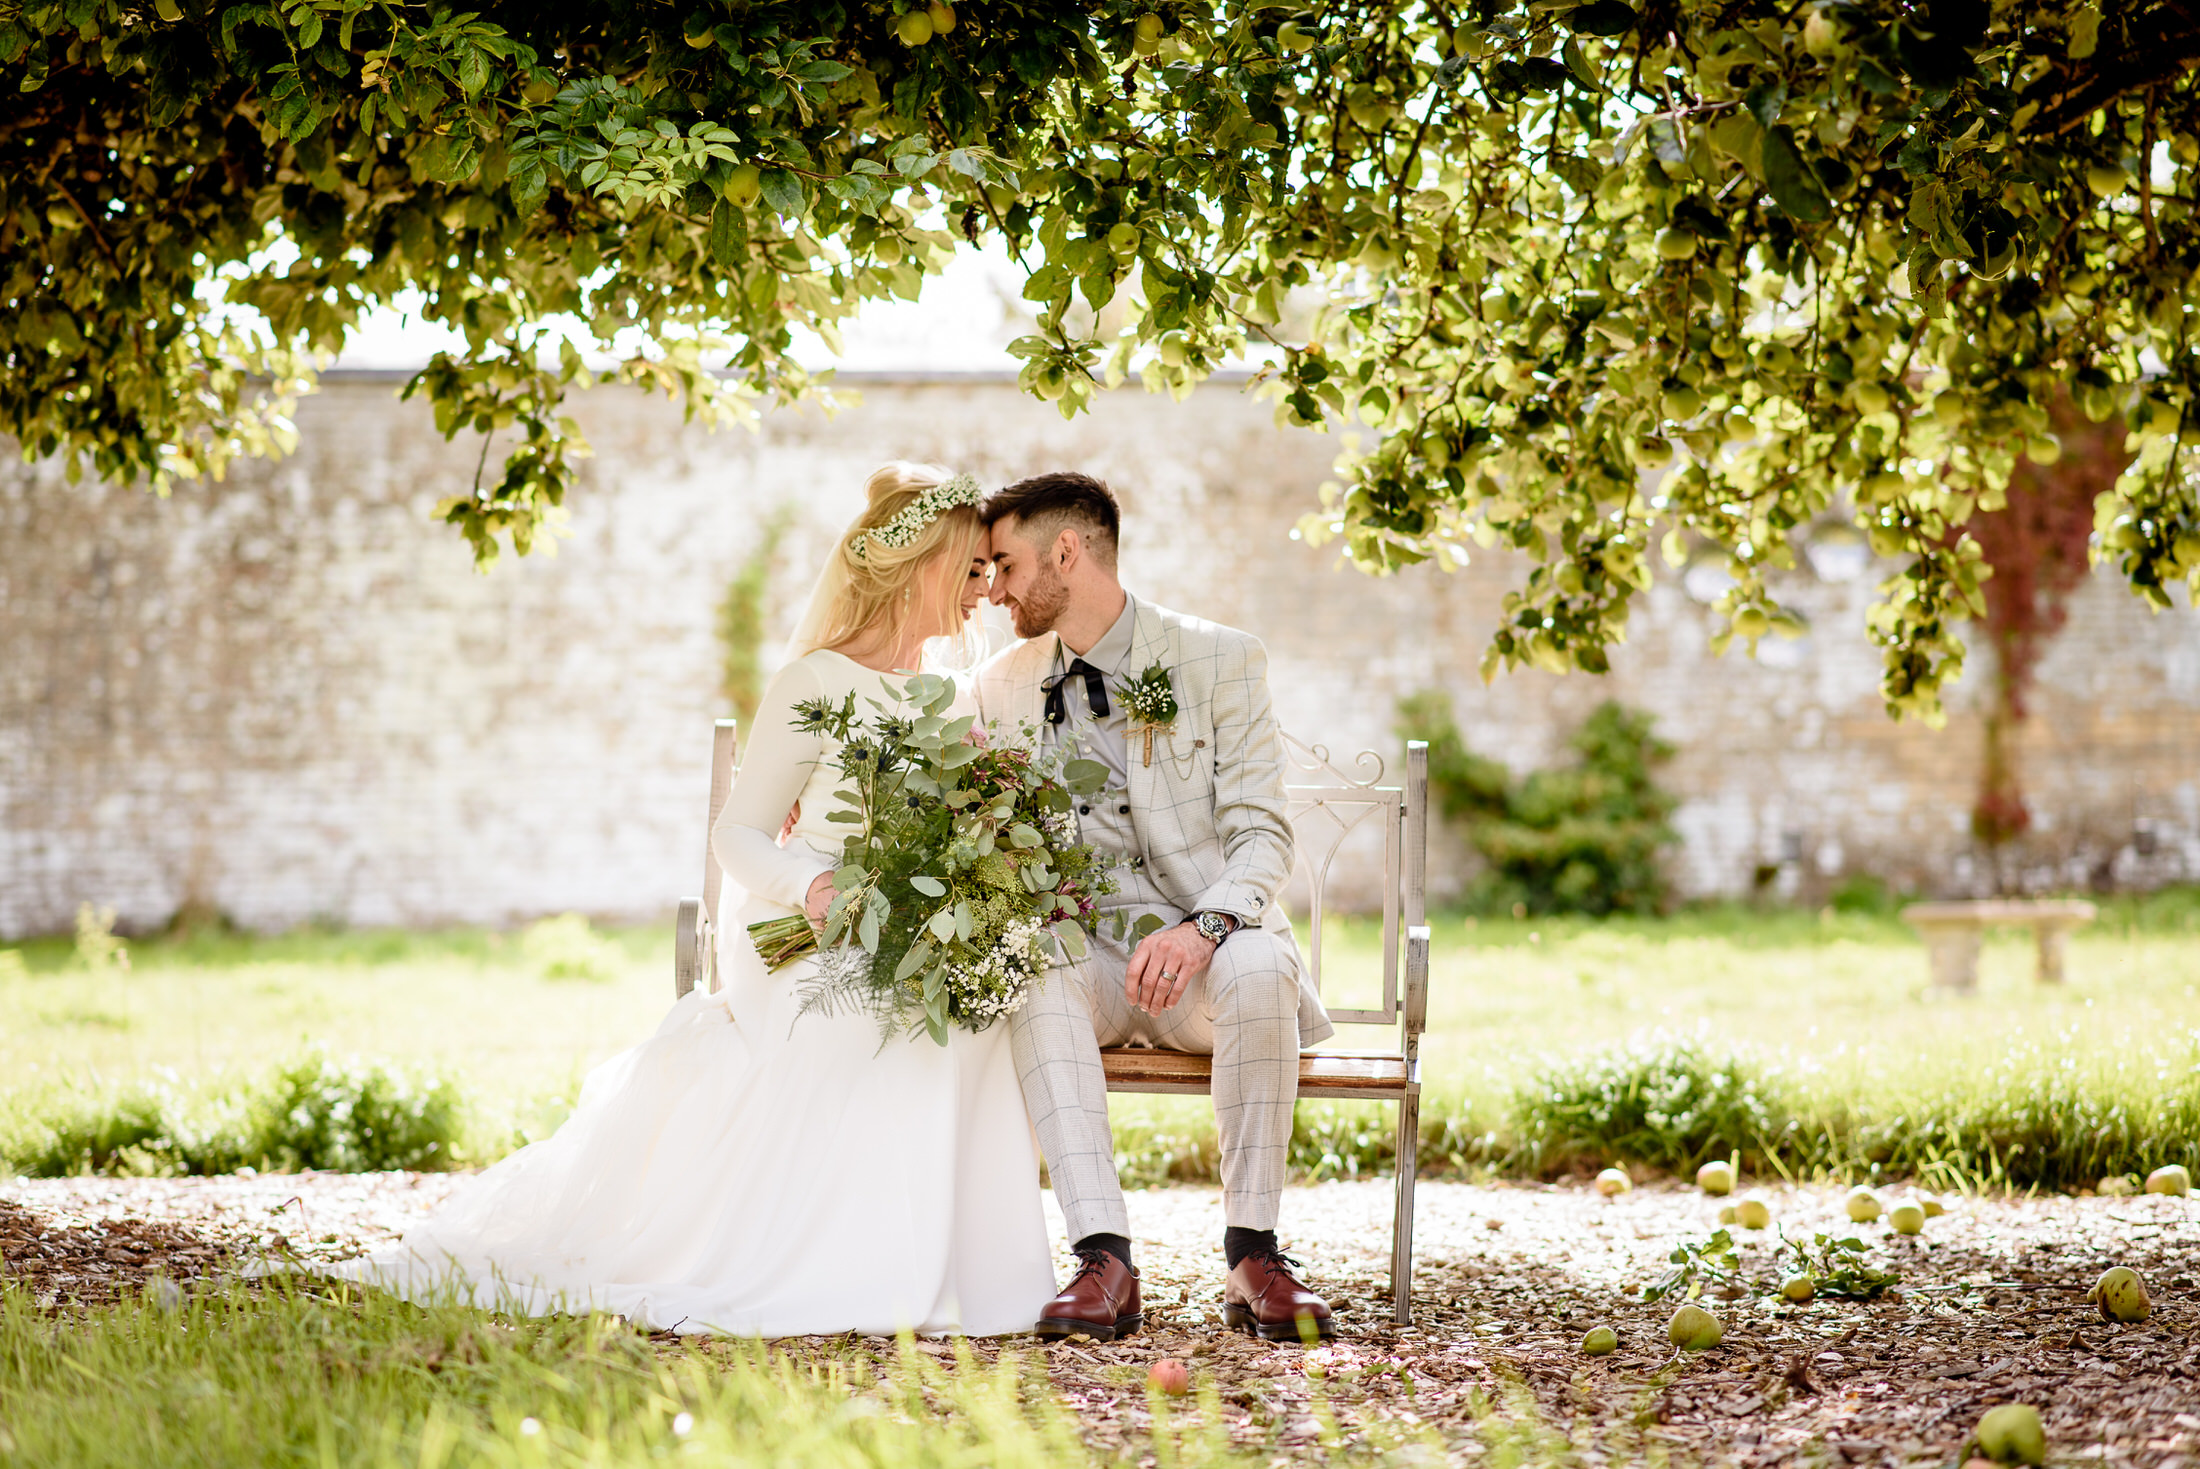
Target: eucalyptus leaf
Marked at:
919, 955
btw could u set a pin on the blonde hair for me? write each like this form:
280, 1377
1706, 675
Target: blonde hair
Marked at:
873, 585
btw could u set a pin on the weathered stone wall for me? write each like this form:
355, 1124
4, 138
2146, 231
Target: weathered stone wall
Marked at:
290, 697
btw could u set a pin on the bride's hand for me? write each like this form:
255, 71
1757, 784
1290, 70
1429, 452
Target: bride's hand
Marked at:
820, 898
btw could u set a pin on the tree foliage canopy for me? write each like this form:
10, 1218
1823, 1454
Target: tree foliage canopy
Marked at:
1825, 259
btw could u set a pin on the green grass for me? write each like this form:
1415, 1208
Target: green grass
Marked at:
198, 1021
1829, 1017
1835, 1054
321, 1375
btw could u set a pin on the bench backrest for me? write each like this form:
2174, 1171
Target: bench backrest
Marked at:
1328, 805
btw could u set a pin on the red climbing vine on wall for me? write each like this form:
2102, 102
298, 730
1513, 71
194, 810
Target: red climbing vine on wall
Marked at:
2037, 547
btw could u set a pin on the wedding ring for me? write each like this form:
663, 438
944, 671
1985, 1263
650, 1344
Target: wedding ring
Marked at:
1168, 976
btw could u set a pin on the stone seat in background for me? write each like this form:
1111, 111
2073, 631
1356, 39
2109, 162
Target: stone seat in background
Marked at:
1954, 931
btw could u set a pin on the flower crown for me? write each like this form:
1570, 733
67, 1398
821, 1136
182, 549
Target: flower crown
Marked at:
904, 528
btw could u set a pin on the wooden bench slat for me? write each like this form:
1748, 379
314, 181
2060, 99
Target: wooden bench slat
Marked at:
1132, 1066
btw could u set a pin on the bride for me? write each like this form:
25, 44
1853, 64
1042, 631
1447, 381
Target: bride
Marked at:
747, 1170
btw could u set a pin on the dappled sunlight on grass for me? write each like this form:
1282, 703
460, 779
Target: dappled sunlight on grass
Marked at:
1832, 1010
224, 1008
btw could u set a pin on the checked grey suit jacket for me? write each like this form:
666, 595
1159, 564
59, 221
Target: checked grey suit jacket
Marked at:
1210, 812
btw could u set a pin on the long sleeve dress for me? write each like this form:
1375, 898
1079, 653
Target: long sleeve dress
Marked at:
752, 1171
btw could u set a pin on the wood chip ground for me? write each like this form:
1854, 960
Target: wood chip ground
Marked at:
1991, 1310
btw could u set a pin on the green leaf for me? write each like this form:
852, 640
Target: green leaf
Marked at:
2085, 33
867, 931
1788, 179
1602, 18
785, 193
1740, 137
931, 887
1085, 777
729, 234
919, 955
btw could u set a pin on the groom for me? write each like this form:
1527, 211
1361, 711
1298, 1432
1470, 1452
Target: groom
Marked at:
1194, 810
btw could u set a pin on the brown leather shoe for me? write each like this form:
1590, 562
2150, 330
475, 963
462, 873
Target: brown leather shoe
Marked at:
1263, 1298
1101, 1301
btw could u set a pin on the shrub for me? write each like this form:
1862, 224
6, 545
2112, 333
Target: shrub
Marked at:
2031, 1119
119, 1132
1866, 894
567, 947
318, 1113
1665, 1101
97, 948
311, 1113
1582, 839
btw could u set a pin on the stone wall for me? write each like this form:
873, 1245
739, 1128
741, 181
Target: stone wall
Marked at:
290, 697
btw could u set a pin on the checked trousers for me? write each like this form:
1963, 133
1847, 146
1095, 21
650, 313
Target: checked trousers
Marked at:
1244, 1011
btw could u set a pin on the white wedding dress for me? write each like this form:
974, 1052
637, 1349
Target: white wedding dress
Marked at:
749, 1172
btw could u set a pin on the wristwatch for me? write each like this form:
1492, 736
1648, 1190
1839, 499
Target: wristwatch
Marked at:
1214, 927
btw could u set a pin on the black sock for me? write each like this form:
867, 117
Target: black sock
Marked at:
1114, 1244
1238, 1243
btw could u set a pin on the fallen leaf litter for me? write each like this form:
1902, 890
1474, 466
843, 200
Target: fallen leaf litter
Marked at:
1991, 1309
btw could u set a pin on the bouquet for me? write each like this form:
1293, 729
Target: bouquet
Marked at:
961, 878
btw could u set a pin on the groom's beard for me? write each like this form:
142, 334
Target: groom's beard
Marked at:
1037, 610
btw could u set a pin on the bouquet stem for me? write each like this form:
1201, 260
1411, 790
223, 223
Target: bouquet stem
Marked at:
781, 941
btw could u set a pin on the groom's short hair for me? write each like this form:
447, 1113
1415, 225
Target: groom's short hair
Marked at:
1046, 503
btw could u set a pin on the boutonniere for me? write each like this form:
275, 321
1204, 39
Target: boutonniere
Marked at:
1150, 701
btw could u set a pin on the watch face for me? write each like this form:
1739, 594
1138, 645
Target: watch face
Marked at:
1214, 926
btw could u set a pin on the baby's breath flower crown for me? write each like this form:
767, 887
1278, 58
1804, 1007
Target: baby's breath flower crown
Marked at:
904, 528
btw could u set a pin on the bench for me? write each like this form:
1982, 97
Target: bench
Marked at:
1326, 805
1953, 932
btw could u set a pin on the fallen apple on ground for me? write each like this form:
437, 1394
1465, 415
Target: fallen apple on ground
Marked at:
1170, 1376
1601, 1341
2011, 1434
1863, 1205
1716, 1177
1753, 1214
2170, 1179
1907, 1217
1693, 1329
1614, 1181
2121, 1295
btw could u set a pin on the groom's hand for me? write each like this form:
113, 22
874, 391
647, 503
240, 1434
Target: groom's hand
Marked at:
1164, 966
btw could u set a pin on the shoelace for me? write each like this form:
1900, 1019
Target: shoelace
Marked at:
1089, 1262
1278, 1258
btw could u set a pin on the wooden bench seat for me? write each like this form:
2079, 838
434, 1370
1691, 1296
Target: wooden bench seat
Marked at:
1380, 1076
